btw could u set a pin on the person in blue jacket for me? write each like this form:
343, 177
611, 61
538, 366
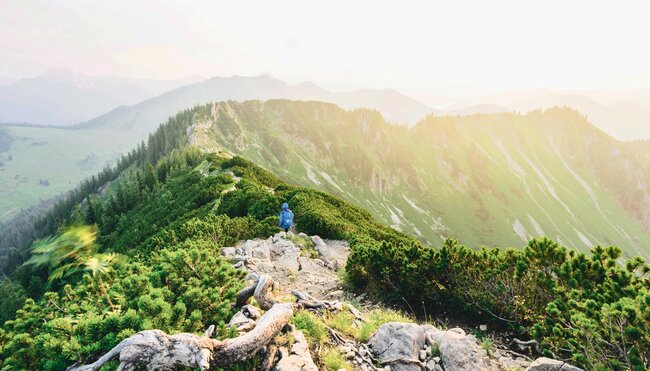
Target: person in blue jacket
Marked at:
286, 217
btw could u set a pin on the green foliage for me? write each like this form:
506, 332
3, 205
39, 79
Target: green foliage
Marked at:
73, 251
588, 308
13, 296
248, 170
487, 344
334, 360
175, 279
342, 321
312, 326
378, 317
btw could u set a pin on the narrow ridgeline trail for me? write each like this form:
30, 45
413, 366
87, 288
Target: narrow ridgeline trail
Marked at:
296, 315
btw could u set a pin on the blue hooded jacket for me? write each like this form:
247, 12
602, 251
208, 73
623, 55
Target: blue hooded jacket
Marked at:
286, 217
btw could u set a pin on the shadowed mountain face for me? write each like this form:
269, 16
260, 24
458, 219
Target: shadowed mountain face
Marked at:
484, 179
62, 97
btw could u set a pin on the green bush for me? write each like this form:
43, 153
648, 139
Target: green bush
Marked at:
588, 308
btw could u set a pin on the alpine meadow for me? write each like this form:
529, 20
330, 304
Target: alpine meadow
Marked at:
439, 187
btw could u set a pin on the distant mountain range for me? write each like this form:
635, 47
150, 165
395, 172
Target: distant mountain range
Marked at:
63, 97
144, 117
64, 156
622, 114
493, 179
38, 163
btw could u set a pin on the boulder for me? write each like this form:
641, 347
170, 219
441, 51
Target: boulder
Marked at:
458, 351
262, 251
398, 345
548, 364
509, 361
279, 236
247, 247
286, 254
228, 251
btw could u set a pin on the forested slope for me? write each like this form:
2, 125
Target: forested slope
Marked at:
168, 208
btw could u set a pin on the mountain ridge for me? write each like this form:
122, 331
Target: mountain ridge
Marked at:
262, 87
485, 179
456, 168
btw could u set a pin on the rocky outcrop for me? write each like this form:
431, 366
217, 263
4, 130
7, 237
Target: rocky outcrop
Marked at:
458, 350
333, 253
299, 357
411, 347
548, 364
398, 345
291, 266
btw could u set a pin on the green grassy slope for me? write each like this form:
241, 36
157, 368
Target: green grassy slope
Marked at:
169, 208
59, 156
485, 179
493, 180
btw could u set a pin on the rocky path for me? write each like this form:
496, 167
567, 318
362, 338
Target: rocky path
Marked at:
309, 264
296, 262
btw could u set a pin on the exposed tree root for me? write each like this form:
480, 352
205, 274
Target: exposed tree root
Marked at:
306, 301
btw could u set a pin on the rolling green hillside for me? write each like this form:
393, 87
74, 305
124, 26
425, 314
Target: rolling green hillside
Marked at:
494, 180
40, 162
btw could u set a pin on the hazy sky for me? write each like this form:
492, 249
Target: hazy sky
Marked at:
494, 45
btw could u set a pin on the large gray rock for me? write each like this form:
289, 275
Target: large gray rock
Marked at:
286, 254
548, 364
278, 236
398, 345
262, 250
459, 351
259, 249
228, 252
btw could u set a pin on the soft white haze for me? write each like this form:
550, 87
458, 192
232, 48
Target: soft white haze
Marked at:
486, 45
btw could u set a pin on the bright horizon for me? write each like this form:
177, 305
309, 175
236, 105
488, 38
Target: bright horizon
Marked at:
448, 48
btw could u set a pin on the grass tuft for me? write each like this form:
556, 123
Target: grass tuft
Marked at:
311, 326
334, 360
342, 321
378, 317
